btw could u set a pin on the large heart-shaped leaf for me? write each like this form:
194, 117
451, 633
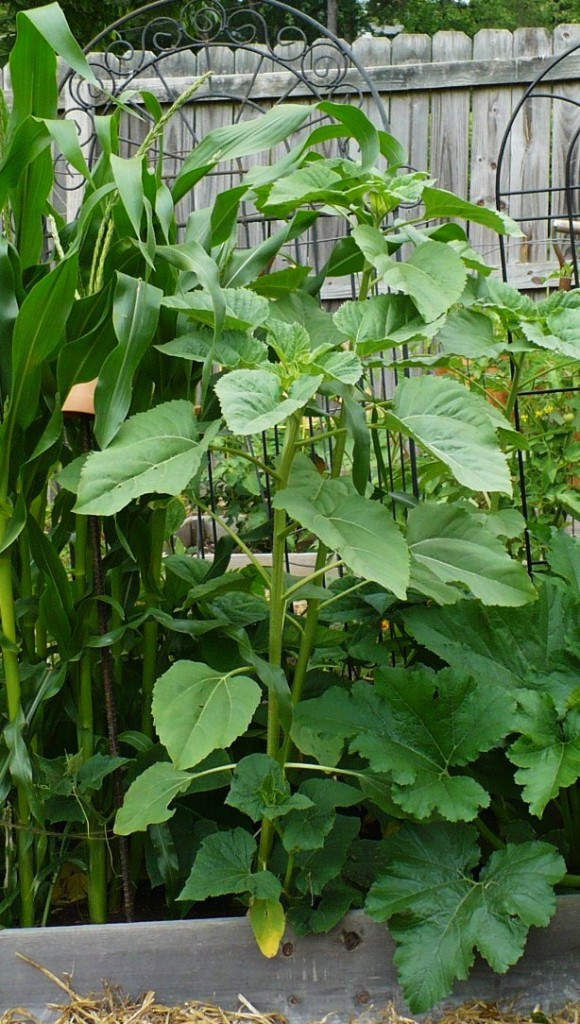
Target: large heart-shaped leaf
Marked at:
361, 531
196, 710
136, 307
253, 400
440, 915
456, 426
534, 647
155, 452
451, 551
422, 728
224, 865
148, 797
434, 276
548, 754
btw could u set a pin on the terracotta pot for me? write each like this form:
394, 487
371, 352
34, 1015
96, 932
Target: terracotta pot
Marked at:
81, 398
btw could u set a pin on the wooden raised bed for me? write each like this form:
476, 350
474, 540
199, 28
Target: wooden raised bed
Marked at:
347, 973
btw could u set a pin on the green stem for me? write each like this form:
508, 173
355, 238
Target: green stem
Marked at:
570, 881
277, 614
239, 543
97, 873
80, 550
13, 700
487, 833
319, 570
518, 365
29, 619
230, 450
151, 627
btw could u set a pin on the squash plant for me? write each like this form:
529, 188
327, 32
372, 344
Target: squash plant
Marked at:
222, 681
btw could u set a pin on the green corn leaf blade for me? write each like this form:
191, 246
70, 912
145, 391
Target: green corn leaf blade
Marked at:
29, 140
422, 728
38, 329
440, 916
547, 755
35, 94
16, 515
196, 710
362, 532
136, 306
128, 177
245, 265
393, 151
359, 127
49, 563
148, 797
240, 140
192, 258
20, 765
452, 551
440, 203
154, 452
253, 400
455, 426
224, 215
260, 789
224, 865
65, 135
535, 647
52, 26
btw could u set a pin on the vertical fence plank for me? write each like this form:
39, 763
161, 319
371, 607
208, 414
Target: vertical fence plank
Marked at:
491, 109
530, 157
450, 118
410, 111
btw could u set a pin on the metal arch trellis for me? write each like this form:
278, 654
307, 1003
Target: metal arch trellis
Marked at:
560, 219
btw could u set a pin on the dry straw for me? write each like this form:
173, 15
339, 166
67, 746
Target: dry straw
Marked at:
112, 1006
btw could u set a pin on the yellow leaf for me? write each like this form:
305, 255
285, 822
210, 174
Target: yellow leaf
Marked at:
268, 924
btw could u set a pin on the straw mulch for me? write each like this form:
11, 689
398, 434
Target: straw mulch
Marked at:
111, 1006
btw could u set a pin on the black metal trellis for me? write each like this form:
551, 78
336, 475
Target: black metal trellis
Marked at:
561, 220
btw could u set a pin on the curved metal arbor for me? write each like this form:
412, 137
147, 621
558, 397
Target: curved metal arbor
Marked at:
550, 211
